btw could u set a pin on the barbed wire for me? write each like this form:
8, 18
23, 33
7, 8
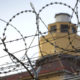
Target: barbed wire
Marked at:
4, 37
13, 67
37, 35
35, 45
60, 3
10, 66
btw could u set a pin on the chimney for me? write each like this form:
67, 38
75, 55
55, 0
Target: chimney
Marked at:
63, 17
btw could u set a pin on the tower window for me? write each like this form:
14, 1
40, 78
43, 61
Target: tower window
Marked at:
53, 28
73, 30
64, 28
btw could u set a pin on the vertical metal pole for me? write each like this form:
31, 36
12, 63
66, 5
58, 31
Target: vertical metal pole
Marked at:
35, 73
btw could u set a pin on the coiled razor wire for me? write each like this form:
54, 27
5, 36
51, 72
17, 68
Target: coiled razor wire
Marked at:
39, 32
4, 37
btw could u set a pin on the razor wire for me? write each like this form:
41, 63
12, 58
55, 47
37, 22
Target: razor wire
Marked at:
4, 37
39, 32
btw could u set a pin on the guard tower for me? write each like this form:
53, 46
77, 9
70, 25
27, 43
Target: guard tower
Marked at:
59, 55
62, 37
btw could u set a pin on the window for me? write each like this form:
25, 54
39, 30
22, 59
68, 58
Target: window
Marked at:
64, 28
73, 29
53, 28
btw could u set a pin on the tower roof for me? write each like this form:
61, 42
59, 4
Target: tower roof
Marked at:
63, 17
62, 14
